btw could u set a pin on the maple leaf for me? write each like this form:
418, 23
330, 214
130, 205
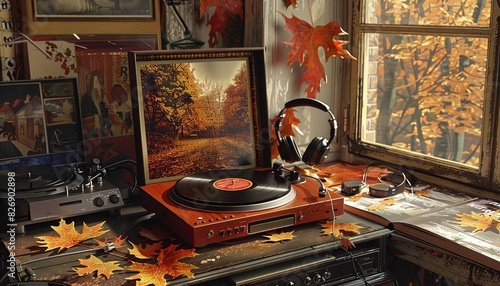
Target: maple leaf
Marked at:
146, 252
167, 263
289, 3
92, 264
339, 228
117, 242
480, 222
423, 193
346, 243
223, 10
68, 236
305, 44
381, 205
279, 237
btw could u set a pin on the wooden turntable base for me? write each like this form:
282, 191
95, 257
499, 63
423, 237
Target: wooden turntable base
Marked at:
199, 228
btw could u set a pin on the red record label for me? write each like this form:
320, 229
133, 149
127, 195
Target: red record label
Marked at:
232, 184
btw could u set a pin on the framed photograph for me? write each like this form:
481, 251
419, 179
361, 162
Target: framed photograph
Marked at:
199, 110
100, 9
40, 123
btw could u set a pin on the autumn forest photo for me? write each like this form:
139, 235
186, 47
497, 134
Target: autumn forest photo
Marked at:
197, 116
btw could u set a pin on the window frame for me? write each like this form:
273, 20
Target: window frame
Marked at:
487, 176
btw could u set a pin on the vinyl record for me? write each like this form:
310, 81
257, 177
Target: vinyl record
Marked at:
232, 190
37, 181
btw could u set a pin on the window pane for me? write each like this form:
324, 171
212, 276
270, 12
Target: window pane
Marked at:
425, 94
453, 13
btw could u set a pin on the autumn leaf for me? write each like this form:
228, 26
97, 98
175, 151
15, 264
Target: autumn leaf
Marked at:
289, 3
346, 243
146, 252
68, 236
305, 43
340, 228
480, 222
381, 205
95, 264
218, 21
279, 237
167, 263
423, 193
117, 242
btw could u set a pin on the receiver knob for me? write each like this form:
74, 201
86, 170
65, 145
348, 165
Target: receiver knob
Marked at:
98, 202
317, 278
114, 199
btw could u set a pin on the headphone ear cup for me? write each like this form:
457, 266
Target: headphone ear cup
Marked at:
315, 151
288, 149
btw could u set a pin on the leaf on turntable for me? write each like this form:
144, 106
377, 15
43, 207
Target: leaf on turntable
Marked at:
118, 242
379, 206
156, 233
69, 236
479, 221
167, 263
146, 252
93, 264
279, 237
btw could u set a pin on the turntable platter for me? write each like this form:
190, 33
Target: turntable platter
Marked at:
36, 181
232, 190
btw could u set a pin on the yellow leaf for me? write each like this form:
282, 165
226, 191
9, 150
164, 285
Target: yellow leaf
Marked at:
282, 236
95, 264
68, 236
117, 242
146, 252
480, 222
167, 264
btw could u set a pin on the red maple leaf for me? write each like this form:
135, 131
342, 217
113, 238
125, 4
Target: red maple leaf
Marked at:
305, 43
223, 10
289, 3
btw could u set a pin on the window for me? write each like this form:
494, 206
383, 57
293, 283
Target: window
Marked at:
423, 87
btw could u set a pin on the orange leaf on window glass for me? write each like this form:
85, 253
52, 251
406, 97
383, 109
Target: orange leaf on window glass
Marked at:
287, 124
218, 20
305, 43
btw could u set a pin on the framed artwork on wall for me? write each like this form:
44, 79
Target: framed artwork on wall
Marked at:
101, 9
199, 110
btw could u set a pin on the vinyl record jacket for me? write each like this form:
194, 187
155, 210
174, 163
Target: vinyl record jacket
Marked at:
232, 190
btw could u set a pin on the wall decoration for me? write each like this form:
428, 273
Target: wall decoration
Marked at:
102, 9
199, 110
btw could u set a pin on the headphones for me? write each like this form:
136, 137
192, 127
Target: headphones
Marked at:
382, 190
316, 151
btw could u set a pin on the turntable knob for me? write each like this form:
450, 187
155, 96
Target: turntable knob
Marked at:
98, 202
114, 199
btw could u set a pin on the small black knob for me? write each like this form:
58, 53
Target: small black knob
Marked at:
98, 202
114, 199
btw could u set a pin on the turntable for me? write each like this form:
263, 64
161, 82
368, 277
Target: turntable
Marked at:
44, 193
217, 206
